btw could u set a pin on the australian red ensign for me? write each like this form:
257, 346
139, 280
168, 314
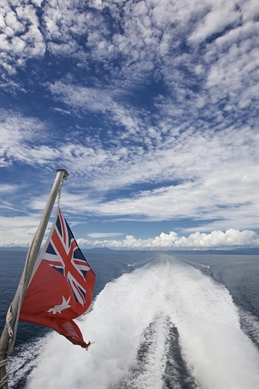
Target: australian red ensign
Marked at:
61, 285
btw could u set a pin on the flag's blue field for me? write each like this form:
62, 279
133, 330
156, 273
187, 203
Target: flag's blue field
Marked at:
157, 320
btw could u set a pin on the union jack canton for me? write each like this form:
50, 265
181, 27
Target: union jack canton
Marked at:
64, 255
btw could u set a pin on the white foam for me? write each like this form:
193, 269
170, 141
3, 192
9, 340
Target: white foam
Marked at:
20, 365
215, 349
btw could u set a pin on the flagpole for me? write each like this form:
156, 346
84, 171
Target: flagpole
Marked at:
9, 332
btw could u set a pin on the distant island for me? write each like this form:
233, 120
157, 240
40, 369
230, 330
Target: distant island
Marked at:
106, 250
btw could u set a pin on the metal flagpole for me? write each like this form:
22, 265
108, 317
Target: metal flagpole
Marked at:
9, 332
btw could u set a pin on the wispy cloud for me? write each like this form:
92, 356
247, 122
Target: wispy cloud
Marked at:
22, 140
19, 230
104, 234
6, 188
208, 181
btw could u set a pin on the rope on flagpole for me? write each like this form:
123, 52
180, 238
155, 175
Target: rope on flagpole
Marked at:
59, 192
4, 379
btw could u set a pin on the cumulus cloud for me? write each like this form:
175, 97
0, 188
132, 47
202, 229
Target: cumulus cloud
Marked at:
197, 241
22, 229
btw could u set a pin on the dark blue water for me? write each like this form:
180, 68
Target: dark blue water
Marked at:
158, 321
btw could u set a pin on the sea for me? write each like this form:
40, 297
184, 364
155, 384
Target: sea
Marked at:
158, 320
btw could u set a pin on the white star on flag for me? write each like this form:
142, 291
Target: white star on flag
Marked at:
61, 307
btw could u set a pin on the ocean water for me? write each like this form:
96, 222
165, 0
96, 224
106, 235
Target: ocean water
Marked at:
158, 320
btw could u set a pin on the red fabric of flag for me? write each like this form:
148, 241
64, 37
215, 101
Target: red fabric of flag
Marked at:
61, 285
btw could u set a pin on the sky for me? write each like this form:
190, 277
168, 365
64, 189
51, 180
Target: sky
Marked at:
152, 108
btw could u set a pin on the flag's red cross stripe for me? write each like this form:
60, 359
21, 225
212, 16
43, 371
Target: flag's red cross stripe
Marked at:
67, 257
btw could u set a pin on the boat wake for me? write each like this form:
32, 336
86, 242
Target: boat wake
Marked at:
164, 325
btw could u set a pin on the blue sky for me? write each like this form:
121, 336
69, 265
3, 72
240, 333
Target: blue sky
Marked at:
151, 106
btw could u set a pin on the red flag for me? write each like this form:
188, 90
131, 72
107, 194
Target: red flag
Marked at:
61, 284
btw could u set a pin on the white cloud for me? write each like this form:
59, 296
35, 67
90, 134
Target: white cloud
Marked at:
7, 188
93, 99
193, 147
18, 230
214, 22
209, 182
144, 35
37, 2
18, 135
21, 38
202, 171
240, 33
250, 10
197, 241
104, 234
225, 199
